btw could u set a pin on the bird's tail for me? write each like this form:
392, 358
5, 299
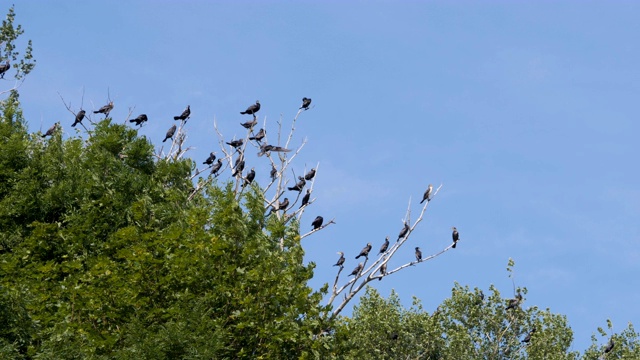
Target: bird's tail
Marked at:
422, 201
176, 118
74, 124
243, 112
95, 112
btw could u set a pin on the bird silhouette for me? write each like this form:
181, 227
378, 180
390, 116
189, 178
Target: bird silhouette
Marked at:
404, 231
456, 236
356, 271
340, 261
310, 174
305, 103
105, 109
427, 194
51, 130
305, 198
140, 119
4, 68
185, 114
238, 168
249, 124
384, 246
418, 254
298, 187
170, 133
281, 206
365, 251
236, 143
317, 222
383, 270
259, 136
249, 178
210, 159
79, 118
609, 347
527, 338
252, 110
216, 167
273, 173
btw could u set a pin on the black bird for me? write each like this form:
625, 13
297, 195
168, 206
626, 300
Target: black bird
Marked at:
51, 130
394, 336
170, 133
455, 236
418, 254
281, 206
140, 119
250, 124
383, 270
298, 187
305, 198
105, 109
250, 176
185, 114
513, 303
317, 222
356, 271
259, 136
4, 68
609, 347
265, 148
365, 251
236, 143
79, 117
404, 231
384, 246
310, 174
210, 159
341, 260
238, 168
528, 337
253, 109
427, 194
216, 167
273, 173
305, 103
481, 296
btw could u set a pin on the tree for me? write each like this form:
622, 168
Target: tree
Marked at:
9, 55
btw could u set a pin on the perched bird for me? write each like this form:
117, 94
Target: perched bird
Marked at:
317, 222
185, 114
305, 198
210, 159
384, 246
513, 303
105, 109
310, 174
383, 270
250, 124
216, 167
455, 236
528, 337
404, 231
265, 148
79, 118
341, 260
236, 143
140, 119
365, 251
418, 254
305, 103
609, 347
250, 176
238, 168
273, 173
427, 194
4, 68
282, 205
298, 187
393, 336
481, 296
170, 133
51, 130
259, 136
356, 271
253, 109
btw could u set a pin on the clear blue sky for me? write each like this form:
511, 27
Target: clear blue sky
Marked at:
526, 112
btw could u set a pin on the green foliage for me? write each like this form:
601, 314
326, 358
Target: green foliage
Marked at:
9, 34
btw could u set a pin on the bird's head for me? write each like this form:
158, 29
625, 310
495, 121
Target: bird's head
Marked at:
417, 248
340, 253
257, 101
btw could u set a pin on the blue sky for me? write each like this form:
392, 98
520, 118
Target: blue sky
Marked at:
524, 111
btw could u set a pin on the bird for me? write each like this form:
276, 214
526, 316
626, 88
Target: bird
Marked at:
185, 114
51, 130
528, 337
481, 296
273, 173
305, 103
4, 68
265, 148
170, 133
281, 206
513, 303
356, 271
418, 254
383, 270
341, 260
404, 231
384, 246
317, 223
259, 136
455, 236
105, 109
210, 159
252, 110
305, 198
249, 124
310, 174
140, 119
238, 168
236, 143
609, 347
365, 251
216, 167
79, 118
298, 187
427, 194
249, 178
394, 336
